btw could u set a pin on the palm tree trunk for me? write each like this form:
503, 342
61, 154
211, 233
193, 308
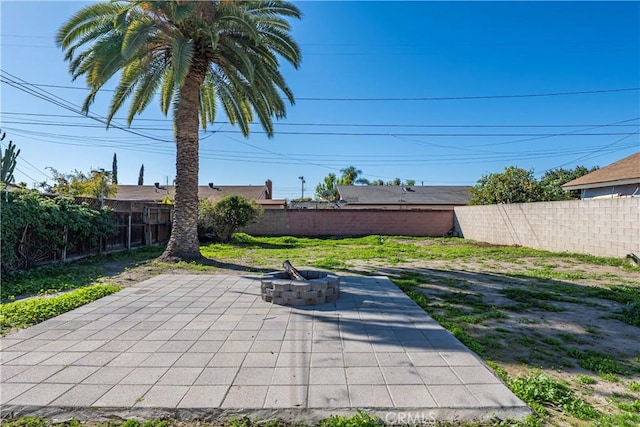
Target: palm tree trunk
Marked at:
183, 243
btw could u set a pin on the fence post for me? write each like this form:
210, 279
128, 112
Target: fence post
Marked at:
65, 239
129, 231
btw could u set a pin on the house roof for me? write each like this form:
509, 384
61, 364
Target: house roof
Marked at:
152, 194
404, 195
625, 171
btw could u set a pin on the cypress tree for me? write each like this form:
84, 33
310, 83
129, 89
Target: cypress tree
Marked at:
141, 175
114, 169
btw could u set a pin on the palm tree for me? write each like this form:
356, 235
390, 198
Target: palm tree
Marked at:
200, 55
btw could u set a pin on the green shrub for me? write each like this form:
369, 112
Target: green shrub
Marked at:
21, 314
220, 220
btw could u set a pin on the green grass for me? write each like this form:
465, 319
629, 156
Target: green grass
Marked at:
541, 391
60, 277
21, 314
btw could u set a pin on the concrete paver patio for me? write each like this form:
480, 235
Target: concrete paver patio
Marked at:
205, 347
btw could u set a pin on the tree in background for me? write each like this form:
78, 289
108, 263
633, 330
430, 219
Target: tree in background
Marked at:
394, 182
141, 175
8, 161
114, 169
328, 188
95, 184
198, 55
551, 183
350, 176
514, 185
220, 220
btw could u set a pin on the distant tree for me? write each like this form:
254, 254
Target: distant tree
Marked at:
514, 185
350, 176
550, 184
394, 182
114, 169
8, 161
94, 184
328, 188
226, 216
141, 175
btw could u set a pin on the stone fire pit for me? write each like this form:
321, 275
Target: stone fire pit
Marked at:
318, 288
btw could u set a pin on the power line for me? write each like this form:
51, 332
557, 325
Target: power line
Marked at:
78, 125
374, 125
21, 85
436, 98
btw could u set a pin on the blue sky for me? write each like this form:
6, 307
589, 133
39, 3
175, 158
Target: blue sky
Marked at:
428, 91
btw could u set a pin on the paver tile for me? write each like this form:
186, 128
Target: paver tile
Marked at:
328, 396
245, 396
122, 395
204, 396
31, 374
289, 396
82, 395
475, 375
72, 374
364, 375
325, 375
438, 375
10, 390
143, 375
256, 360
401, 375
217, 376
40, 394
369, 396
254, 376
163, 396
453, 396
180, 376
411, 396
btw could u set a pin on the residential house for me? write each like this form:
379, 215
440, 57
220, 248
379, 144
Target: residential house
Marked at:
262, 194
403, 197
619, 179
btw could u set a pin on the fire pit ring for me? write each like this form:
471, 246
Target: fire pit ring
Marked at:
318, 288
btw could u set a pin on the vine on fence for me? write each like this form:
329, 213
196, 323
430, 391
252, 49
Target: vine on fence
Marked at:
37, 228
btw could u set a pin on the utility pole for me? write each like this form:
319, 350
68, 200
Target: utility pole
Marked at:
302, 181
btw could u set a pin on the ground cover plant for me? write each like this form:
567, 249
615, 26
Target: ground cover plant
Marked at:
559, 329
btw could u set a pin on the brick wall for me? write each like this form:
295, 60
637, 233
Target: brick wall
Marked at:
608, 227
334, 222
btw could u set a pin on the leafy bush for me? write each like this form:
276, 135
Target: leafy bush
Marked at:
220, 220
21, 314
36, 228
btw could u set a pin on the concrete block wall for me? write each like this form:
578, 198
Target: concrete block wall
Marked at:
607, 227
334, 222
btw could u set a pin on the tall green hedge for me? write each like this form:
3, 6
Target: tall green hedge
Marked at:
37, 228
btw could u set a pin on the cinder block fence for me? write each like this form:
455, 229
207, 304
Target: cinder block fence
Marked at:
606, 227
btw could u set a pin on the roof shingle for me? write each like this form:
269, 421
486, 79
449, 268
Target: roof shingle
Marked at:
625, 171
404, 195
